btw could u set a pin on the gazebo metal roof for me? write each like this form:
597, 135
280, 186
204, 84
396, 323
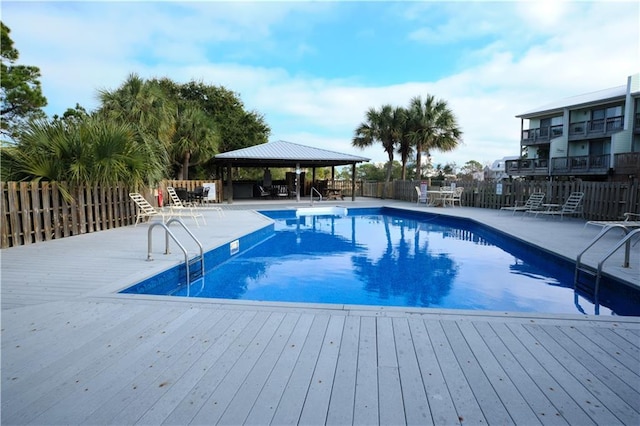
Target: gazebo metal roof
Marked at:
286, 154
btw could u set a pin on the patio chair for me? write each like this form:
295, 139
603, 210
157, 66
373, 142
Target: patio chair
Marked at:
572, 206
263, 192
146, 211
176, 204
533, 203
456, 197
631, 221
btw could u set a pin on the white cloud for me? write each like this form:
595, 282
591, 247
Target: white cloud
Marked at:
523, 55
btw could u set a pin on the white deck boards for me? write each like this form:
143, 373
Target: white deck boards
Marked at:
75, 352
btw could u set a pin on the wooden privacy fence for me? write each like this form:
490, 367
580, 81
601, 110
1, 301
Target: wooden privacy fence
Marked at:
37, 211
32, 212
602, 200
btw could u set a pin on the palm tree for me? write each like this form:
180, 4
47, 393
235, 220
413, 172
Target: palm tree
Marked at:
195, 139
405, 142
93, 151
433, 126
381, 126
146, 107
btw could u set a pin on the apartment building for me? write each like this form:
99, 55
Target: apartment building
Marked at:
594, 136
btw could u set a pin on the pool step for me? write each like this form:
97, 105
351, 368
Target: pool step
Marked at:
321, 211
585, 279
196, 266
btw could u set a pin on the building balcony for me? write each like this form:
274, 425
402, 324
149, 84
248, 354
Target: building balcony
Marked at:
595, 128
581, 165
541, 135
527, 167
636, 124
560, 166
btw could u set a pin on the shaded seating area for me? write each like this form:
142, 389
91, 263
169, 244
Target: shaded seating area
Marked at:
533, 203
572, 206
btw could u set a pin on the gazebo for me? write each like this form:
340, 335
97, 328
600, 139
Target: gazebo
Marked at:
280, 154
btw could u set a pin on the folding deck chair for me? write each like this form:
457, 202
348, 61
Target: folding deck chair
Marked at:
533, 203
146, 211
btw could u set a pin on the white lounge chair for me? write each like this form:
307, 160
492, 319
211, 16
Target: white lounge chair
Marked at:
572, 206
146, 211
176, 204
533, 203
627, 222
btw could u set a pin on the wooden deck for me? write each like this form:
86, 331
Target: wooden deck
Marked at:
75, 352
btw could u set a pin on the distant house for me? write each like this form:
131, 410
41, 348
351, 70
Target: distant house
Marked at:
498, 169
594, 136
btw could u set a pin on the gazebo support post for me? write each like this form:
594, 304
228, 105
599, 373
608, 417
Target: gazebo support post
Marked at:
229, 184
353, 182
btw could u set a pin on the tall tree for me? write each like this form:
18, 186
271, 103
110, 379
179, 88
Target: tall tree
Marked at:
381, 126
433, 126
21, 95
149, 110
237, 127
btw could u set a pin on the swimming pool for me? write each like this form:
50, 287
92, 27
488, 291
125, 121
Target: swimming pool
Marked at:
391, 257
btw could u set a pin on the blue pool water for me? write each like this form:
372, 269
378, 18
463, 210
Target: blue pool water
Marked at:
392, 258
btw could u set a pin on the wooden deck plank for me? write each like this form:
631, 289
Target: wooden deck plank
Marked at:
66, 324
185, 411
621, 363
78, 406
218, 340
140, 391
550, 361
320, 388
85, 363
594, 377
265, 405
467, 406
294, 394
535, 398
517, 407
414, 397
492, 407
545, 380
366, 398
241, 402
30, 381
344, 384
441, 406
222, 394
626, 342
390, 402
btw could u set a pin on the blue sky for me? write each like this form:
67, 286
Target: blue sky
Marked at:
314, 68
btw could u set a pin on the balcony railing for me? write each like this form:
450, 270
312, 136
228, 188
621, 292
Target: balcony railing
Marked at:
599, 127
581, 165
584, 164
541, 134
527, 167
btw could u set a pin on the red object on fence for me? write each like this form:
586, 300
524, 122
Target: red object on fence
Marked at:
160, 198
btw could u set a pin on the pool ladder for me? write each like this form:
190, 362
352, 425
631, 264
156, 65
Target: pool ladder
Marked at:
189, 264
597, 271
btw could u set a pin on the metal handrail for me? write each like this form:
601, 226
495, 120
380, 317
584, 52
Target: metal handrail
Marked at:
627, 241
602, 233
318, 192
168, 234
